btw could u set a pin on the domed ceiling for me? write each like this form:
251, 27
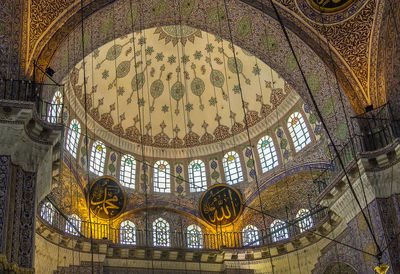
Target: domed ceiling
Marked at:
179, 86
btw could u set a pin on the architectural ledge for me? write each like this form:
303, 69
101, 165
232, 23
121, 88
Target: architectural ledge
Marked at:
373, 176
113, 251
32, 143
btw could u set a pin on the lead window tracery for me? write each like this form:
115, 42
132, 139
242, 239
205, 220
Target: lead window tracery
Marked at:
232, 168
161, 232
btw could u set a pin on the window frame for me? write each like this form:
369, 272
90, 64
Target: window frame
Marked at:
54, 111
164, 233
251, 234
127, 228
268, 156
299, 132
305, 223
73, 138
127, 177
194, 232
166, 177
197, 185
237, 165
47, 212
279, 231
97, 167
77, 222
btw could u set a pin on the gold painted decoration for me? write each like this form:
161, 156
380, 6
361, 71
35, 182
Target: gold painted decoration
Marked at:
106, 198
221, 205
330, 6
381, 269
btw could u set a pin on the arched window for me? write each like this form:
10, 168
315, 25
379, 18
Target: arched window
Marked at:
73, 227
279, 231
47, 212
162, 177
251, 236
73, 135
160, 232
194, 237
232, 168
267, 153
127, 233
97, 158
55, 108
128, 171
305, 220
298, 131
197, 176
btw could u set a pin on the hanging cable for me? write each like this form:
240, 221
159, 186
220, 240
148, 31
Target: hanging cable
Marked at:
379, 254
271, 216
324, 125
86, 131
245, 120
141, 117
188, 113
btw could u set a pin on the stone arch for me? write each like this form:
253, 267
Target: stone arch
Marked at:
339, 268
266, 41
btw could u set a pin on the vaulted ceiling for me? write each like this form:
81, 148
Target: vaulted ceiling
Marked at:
350, 27
180, 83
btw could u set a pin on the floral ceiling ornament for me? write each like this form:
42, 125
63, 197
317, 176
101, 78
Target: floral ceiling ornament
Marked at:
157, 78
178, 33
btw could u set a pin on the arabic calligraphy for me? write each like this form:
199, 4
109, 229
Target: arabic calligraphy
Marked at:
330, 6
221, 204
106, 198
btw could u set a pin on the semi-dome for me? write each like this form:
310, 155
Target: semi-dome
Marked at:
174, 88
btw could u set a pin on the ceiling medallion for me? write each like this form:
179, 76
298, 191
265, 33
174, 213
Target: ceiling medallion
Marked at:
177, 33
329, 11
221, 205
106, 198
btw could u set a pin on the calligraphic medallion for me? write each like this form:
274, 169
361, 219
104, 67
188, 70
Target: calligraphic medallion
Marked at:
329, 11
330, 6
221, 205
106, 198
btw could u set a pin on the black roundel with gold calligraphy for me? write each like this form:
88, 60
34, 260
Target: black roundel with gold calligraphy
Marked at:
106, 198
221, 204
330, 6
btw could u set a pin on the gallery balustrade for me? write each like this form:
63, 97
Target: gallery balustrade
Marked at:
179, 239
28, 91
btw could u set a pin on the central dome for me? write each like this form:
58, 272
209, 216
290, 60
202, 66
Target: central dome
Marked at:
177, 86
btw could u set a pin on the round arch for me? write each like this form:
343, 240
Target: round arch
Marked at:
253, 29
339, 267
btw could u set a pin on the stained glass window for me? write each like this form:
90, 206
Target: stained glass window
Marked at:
267, 153
160, 232
298, 131
279, 231
197, 176
47, 212
127, 233
232, 168
251, 236
128, 171
55, 108
74, 220
73, 135
161, 177
305, 222
98, 158
194, 237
